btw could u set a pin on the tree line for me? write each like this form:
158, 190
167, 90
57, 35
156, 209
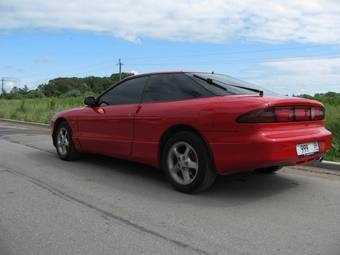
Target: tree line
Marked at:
65, 87
74, 86
331, 98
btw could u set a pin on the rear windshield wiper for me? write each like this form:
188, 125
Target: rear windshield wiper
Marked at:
211, 81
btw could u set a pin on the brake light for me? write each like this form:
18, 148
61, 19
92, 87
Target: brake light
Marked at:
283, 114
318, 113
302, 113
261, 115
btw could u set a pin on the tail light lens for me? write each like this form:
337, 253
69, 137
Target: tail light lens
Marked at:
302, 113
317, 113
283, 114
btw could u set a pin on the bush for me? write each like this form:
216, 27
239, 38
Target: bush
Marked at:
72, 93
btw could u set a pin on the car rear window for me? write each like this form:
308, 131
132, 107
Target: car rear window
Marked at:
227, 85
171, 87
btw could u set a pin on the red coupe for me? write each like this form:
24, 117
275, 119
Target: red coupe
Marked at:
194, 126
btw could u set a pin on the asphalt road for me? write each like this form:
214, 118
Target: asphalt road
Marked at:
100, 205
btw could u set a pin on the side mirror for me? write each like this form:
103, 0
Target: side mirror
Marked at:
90, 101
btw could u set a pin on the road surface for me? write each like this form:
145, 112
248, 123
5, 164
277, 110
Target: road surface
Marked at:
101, 205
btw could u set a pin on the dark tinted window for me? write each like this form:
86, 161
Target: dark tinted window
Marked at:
227, 85
167, 87
128, 92
214, 89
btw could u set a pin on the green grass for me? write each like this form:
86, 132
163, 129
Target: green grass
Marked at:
36, 110
42, 109
333, 124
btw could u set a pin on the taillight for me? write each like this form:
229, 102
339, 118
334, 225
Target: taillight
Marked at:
283, 114
258, 116
318, 113
302, 113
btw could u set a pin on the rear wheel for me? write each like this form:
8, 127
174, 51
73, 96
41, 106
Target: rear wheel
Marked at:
268, 170
187, 164
64, 143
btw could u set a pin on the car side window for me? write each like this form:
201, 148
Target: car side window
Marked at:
171, 87
128, 92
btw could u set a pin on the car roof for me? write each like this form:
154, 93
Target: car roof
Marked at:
164, 72
160, 72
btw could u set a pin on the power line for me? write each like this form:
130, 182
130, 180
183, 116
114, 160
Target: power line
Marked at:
227, 53
245, 61
106, 63
183, 64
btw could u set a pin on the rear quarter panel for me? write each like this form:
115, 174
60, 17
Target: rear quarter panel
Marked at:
212, 117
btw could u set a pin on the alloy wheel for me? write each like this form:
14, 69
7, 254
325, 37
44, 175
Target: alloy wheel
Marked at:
63, 141
182, 162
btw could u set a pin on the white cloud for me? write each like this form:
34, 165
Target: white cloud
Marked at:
134, 72
301, 75
312, 21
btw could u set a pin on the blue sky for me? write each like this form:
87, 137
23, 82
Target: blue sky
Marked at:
297, 53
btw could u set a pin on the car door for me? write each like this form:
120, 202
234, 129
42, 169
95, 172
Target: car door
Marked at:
165, 101
108, 127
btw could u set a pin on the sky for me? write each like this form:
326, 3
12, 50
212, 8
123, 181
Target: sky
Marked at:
291, 47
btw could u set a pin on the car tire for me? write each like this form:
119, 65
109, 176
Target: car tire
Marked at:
64, 143
268, 170
187, 163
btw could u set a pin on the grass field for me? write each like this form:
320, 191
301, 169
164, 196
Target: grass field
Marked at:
42, 109
36, 110
333, 124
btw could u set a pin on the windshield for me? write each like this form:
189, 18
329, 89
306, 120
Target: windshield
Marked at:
227, 85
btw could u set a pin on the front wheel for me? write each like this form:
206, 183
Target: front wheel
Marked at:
64, 143
187, 163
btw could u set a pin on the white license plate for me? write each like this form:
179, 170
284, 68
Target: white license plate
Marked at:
307, 148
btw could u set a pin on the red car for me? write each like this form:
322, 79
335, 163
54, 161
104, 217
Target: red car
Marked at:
194, 126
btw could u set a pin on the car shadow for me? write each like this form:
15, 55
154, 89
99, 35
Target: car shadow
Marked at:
235, 188
146, 181
250, 187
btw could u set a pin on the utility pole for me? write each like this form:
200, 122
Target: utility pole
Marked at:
3, 81
2, 85
120, 64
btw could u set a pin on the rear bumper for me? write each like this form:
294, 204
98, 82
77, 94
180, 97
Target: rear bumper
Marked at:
264, 149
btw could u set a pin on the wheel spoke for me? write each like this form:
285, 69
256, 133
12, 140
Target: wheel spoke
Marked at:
176, 153
186, 152
62, 134
186, 176
192, 164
